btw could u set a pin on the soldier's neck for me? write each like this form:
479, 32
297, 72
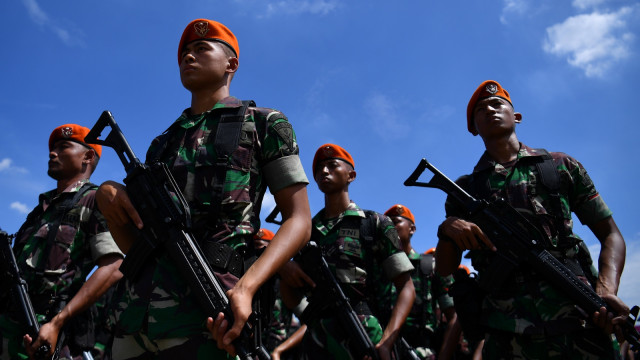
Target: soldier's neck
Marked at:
64, 184
503, 149
204, 100
335, 204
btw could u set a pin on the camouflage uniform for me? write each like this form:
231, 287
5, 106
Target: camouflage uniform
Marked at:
279, 326
82, 238
422, 322
527, 317
157, 312
347, 257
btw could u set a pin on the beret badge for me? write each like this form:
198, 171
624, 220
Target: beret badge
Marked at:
328, 151
492, 88
66, 132
400, 209
260, 233
201, 28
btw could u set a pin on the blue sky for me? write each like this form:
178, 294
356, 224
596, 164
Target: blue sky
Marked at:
389, 81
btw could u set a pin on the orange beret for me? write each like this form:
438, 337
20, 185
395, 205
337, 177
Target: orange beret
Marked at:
74, 133
209, 30
264, 234
402, 211
489, 88
331, 151
430, 251
466, 269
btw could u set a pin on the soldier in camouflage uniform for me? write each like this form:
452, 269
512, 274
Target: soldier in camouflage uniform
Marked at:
527, 317
61, 241
431, 291
280, 319
222, 155
362, 268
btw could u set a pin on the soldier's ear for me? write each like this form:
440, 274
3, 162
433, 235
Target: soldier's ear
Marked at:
89, 155
412, 230
518, 117
352, 176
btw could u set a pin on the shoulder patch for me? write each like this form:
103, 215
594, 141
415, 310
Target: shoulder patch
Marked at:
285, 132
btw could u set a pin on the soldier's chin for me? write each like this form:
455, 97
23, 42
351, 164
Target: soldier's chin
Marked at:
55, 175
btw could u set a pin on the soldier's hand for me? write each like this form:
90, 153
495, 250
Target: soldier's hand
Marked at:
609, 321
465, 234
114, 203
293, 275
384, 351
240, 303
48, 335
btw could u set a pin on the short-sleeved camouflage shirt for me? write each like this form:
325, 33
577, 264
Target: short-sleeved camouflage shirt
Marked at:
266, 155
534, 305
430, 288
347, 256
81, 239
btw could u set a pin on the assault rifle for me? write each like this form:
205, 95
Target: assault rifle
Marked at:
20, 295
167, 223
327, 296
404, 350
519, 241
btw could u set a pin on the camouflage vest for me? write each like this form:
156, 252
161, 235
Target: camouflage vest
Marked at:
227, 138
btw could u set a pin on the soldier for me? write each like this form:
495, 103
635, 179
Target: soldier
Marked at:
362, 266
280, 319
527, 317
223, 153
62, 240
431, 291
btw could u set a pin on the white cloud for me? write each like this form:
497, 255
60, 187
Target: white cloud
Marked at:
591, 42
266, 8
384, 117
513, 7
5, 166
19, 207
41, 18
294, 7
584, 4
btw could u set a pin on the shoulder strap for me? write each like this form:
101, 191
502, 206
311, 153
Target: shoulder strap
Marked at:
226, 140
550, 179
427, 264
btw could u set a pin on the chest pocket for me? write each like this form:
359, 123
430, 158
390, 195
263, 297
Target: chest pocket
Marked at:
60, 254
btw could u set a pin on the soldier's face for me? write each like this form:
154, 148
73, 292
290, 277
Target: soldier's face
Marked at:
404, 227
333, 175
204, 65
494, 116
67, 159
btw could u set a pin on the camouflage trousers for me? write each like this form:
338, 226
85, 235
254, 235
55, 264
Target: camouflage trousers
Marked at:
325, 339
140, 347
588, 344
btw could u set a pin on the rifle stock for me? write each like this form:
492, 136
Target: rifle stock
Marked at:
328, 296
167, 222
519, 241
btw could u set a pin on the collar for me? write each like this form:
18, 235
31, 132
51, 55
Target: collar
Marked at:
352, 210
487, 162
51, 195
186, 120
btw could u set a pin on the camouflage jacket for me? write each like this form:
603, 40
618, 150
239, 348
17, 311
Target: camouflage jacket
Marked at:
528, 304
348, 259
266, 155
81, 239
347, 256
431, 291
